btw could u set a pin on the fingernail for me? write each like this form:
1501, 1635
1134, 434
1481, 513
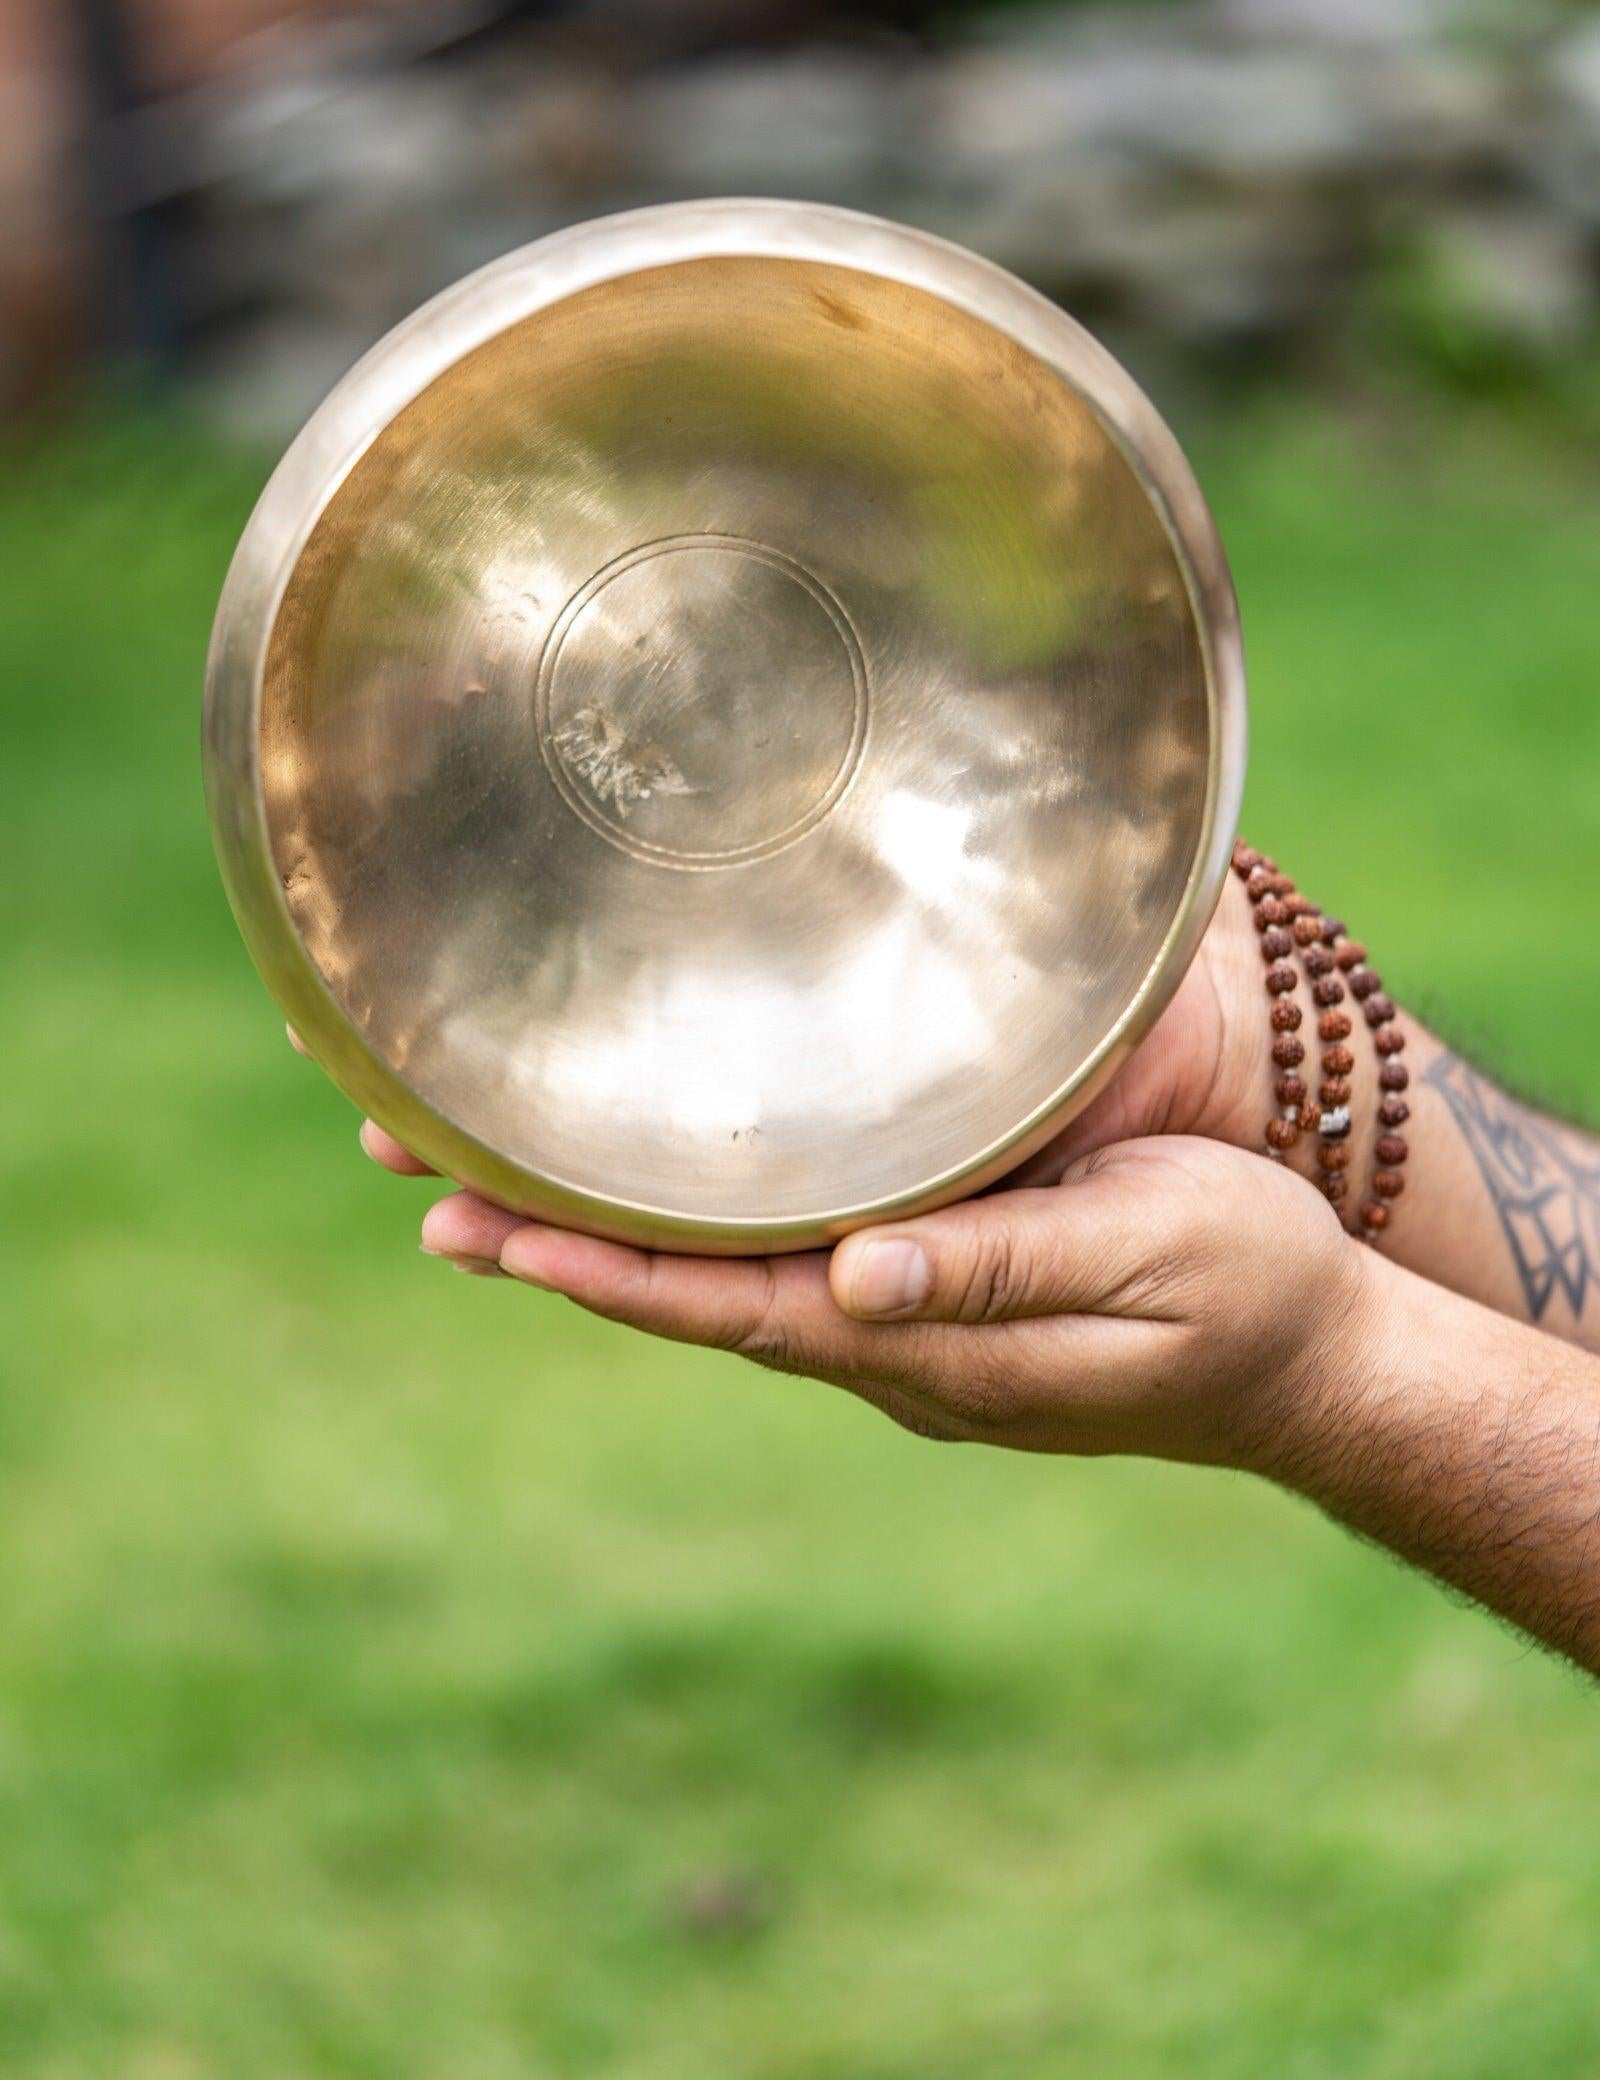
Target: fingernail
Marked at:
515, 1267
480, 1267
531, 1278
891, 1277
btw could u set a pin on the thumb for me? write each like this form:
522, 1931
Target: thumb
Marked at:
1100, 1242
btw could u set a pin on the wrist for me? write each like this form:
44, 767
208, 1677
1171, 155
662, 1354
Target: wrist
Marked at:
1319, 1090
1235, 1105
1326, 1408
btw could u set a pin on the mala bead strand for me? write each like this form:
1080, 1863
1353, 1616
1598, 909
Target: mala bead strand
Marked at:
1334, 1027
1339, 964
1279, 912
1390, 1149
1340, 984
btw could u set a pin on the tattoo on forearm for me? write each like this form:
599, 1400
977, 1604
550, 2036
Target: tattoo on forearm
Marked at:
1545, 1185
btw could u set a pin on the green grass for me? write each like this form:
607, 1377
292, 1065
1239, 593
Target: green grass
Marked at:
386, 1656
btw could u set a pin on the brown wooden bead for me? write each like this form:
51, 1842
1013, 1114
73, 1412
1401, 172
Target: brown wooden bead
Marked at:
1374, 1215
1318, 960
1328, 989
1277, 943
1333, 927
1378, 1008
1282, 979
1282, 885
1351, 954
1291, 1089
1391, 1150
1338, 1061
1333, 1155
1334, 1185
1299, 906
1309, 1116
1288, 1052
1269, 911
1269, 862
1389, 1040
1245, 857
1388, 1184
1258, 883
1285, 1016
1335, 1091
1393, 1076
1307, 931
1365, 982
1394, 1112
1282, 1134
1334, 1025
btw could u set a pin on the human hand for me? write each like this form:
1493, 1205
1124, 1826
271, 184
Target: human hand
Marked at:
1203, 1068
1195, 1214
1128, 1308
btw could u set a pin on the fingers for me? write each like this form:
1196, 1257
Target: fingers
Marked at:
1088, 1245
1097, 1315
466, 1226
728, 1302
776, 1311
391, 1154
1117, 1238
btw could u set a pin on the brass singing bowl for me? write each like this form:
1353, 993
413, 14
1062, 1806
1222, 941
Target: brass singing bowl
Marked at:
727, 725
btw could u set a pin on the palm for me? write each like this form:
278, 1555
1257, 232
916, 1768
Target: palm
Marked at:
1195, 1072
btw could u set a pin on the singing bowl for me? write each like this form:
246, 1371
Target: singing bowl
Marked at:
727, 725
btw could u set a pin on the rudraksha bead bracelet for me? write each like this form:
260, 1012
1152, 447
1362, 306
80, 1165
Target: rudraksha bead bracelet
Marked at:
1290, 924
1389, 1148
1277, 907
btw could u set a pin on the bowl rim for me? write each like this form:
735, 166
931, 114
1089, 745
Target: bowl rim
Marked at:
392, 374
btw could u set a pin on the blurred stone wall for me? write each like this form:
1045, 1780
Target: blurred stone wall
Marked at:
1215, 179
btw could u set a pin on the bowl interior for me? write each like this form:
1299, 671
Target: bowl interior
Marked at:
737, 743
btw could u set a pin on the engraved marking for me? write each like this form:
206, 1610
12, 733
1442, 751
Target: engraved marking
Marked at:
606, 767
599, 753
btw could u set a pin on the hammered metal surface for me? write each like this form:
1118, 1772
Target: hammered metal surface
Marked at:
743, 741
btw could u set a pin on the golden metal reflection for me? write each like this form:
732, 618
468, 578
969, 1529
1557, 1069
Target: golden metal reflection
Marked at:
737, 743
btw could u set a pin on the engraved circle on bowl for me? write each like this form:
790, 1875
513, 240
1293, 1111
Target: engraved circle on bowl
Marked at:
702, 701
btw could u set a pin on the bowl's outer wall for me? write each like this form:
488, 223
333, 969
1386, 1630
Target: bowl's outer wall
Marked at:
403, 365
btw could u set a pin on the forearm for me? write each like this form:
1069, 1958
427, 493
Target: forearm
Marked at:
1464, 1442
1500, 1202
